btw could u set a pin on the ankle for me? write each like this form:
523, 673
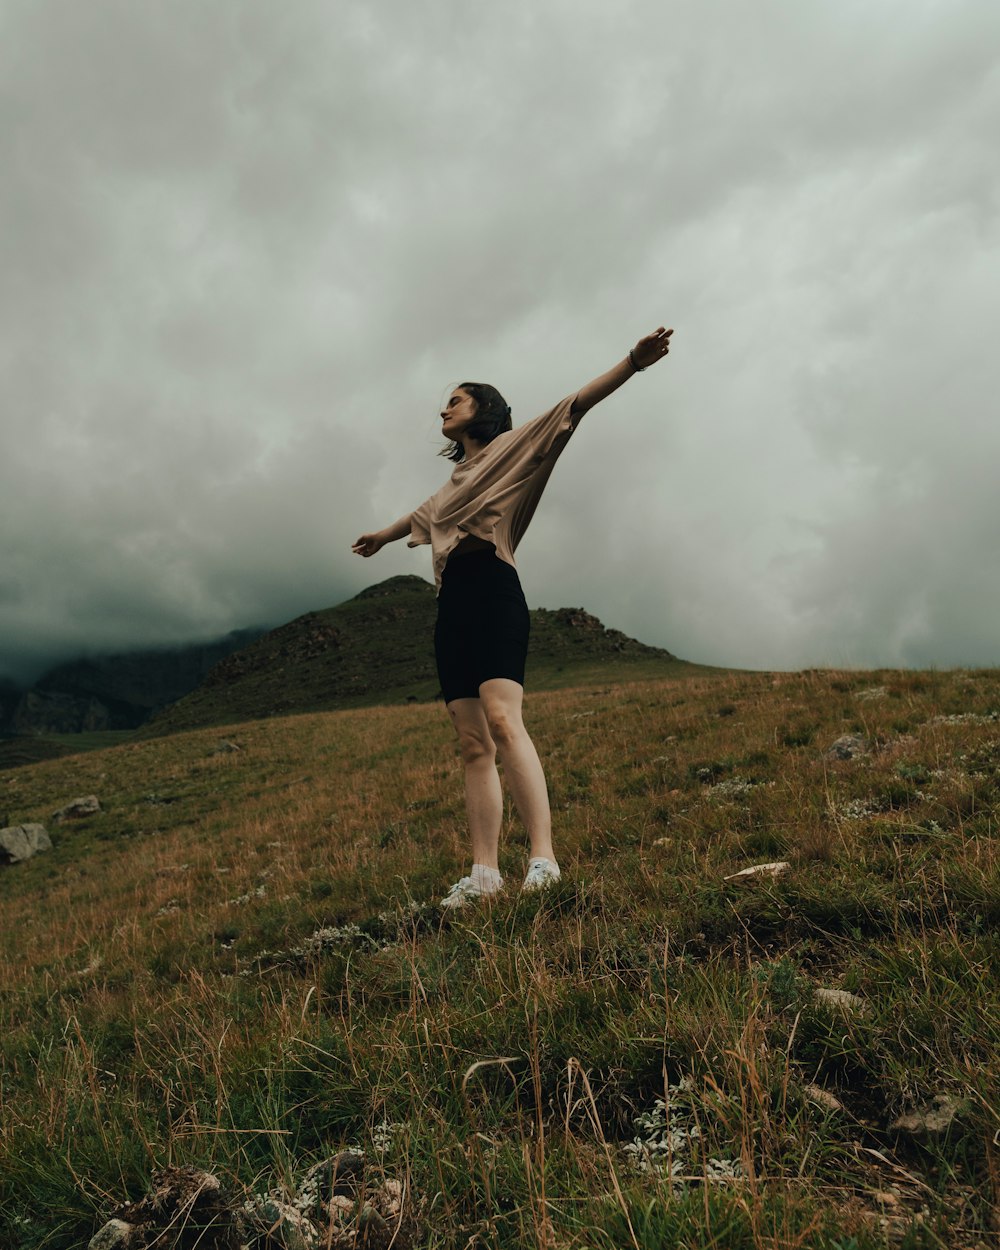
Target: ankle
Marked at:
485, 877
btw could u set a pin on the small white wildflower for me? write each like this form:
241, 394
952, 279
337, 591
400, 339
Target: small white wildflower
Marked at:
242, 899
966, 718
856, 809
735, 787
382, 1135
666, 1146
723, 1169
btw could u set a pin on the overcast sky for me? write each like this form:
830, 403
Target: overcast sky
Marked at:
247, 247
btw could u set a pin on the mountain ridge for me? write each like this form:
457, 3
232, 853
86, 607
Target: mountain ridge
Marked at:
377, 648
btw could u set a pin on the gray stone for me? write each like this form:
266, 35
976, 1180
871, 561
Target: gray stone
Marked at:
85, 806
18, 842
115, 1235
340, 1174
932, 1120
288, 1227
370, 1221
848, 747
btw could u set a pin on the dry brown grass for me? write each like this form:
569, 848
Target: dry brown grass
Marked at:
154, 1011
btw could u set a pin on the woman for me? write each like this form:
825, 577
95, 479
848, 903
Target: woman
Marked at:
473, 525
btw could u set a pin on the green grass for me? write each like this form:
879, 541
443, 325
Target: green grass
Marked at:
162, 1001
16, 752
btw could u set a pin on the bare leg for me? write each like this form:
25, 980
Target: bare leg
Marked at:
501, 700
483, 796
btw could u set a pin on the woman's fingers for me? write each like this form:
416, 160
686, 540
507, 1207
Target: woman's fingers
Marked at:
659, 338
653, 347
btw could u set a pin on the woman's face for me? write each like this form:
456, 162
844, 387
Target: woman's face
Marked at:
458, 411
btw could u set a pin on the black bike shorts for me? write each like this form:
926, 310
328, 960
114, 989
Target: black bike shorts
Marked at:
482, 624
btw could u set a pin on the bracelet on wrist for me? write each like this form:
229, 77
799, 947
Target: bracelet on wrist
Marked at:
631, 360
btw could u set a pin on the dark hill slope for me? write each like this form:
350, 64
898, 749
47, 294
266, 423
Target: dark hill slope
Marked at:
377, 648
113, 692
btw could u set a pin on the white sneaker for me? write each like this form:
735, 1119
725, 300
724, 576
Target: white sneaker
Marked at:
467, 891
541, 874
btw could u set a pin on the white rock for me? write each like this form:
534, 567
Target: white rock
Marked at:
392, 1197
823, 1097
759, 870
342, 1208
842, 1000
848, 747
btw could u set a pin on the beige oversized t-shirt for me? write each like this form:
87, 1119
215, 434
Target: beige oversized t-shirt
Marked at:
493, 494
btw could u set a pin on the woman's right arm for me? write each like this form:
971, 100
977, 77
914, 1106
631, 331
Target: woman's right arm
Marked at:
368, 544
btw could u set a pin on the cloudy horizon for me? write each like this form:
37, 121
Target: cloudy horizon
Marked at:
247, 248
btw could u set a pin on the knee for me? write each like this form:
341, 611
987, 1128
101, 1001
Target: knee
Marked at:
504, 727
476, 749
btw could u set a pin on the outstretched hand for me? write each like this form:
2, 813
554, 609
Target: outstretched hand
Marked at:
652, 348
368, 544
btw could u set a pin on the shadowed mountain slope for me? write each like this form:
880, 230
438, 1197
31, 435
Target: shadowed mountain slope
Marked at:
107, 693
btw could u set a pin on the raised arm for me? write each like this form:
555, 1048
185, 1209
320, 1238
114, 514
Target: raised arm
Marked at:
368, 544
645, 353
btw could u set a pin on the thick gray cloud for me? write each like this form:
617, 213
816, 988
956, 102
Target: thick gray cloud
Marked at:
246, 247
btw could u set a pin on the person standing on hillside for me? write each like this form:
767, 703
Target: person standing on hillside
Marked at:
473, 525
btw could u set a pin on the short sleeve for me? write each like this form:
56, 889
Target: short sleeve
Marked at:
548, 433
420, 525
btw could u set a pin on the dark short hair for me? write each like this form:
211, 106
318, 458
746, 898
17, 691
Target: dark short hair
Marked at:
492, 417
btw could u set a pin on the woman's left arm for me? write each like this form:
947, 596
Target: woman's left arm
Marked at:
645, 353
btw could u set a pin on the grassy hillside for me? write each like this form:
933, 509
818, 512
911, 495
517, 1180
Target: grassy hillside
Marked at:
17, 751
377, 648
237, 965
